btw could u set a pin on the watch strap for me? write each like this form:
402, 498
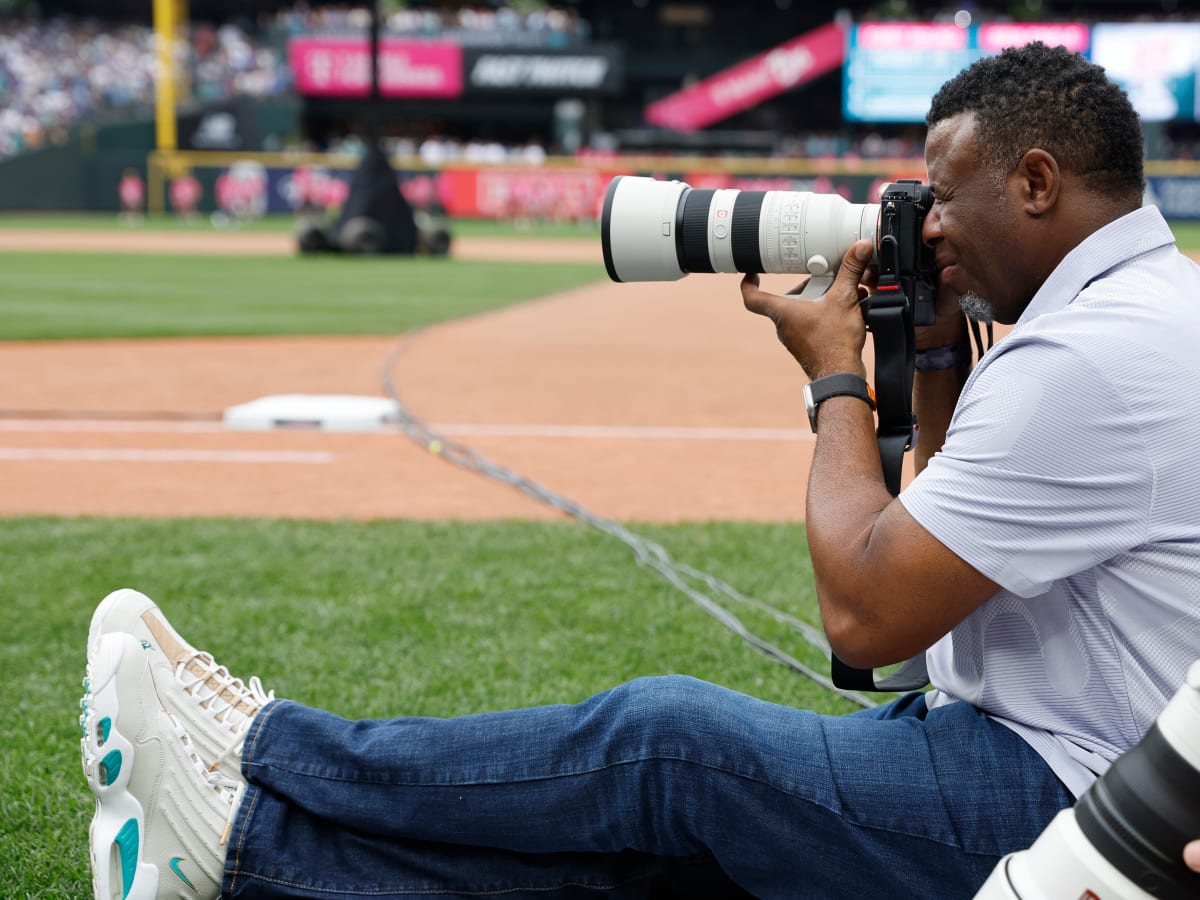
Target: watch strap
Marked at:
840, 384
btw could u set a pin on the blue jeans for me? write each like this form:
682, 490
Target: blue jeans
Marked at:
664, 786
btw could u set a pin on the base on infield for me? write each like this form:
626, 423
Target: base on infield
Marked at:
317, 412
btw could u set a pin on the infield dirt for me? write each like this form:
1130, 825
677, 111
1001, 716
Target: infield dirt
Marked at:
642, 402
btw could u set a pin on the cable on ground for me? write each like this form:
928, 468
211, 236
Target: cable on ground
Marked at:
648, 553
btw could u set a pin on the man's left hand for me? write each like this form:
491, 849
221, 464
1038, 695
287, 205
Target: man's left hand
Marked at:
825, 334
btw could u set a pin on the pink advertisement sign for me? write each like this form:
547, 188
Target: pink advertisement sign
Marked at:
910, 36
340, 67
997, 36
751, 82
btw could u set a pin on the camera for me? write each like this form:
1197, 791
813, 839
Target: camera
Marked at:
1124, 839
654, 230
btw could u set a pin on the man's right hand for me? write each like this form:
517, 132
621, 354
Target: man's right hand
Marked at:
949, 323
1191, 855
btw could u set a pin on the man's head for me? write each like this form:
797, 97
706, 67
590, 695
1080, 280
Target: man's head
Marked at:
1028, 153
1048, 97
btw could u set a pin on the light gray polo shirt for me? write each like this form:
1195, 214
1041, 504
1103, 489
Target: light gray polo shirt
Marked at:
1070, 476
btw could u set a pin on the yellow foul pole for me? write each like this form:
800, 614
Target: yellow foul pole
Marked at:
166, 31
169, 16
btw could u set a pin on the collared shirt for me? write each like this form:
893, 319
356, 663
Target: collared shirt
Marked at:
1070, 476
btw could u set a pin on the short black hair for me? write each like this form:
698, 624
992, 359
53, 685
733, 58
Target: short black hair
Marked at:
1053, 99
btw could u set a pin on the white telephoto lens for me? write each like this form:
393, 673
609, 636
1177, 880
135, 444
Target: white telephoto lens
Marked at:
655, 230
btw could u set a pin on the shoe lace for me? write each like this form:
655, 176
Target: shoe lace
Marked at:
233, 790
230, 701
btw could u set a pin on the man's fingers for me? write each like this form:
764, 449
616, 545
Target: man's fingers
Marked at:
756, 299
1191, 856
854, 264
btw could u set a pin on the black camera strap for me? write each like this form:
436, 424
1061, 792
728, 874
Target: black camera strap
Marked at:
904, 297
889, 318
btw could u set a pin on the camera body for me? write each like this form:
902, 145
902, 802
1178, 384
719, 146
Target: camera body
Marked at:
654, 230
906, 263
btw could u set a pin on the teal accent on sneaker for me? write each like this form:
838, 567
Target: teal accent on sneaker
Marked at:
175, 861
127, 843
105, 729
110, 767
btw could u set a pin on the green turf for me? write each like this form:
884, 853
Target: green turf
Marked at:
368, 619
1187, 235
96, 295
274, 224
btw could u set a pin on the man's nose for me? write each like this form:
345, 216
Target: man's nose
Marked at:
931, 228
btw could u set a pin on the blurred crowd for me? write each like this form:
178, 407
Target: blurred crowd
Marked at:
57, 73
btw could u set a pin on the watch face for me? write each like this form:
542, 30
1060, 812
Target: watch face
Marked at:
810, 406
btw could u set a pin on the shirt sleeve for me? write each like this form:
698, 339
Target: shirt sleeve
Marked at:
1044, 472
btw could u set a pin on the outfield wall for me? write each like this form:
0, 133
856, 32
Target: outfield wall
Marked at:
78, 177
562, 188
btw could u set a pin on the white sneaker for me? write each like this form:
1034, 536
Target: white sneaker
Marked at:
161, 817
213, 707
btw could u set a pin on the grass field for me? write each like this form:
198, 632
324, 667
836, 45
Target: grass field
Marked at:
276, 224
94, 295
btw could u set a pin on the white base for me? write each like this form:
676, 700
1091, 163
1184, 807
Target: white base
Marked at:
316, 412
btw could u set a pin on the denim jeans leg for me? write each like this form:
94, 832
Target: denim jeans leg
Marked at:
658, 772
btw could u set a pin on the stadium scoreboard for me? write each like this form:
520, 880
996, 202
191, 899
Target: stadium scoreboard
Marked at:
893, 69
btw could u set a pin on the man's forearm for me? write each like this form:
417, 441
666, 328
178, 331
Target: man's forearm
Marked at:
846, 495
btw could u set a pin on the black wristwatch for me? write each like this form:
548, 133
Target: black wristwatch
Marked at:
843, 384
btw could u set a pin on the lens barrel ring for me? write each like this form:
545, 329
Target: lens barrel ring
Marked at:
693, 231
744, 240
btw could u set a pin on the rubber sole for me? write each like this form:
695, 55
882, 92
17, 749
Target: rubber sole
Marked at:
117, 830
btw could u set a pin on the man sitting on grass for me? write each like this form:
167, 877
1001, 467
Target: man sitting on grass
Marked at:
1046, 560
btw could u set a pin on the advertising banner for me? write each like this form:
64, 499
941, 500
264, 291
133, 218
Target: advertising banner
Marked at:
560, 194
248, 189
341, 67
751, 82
596, 69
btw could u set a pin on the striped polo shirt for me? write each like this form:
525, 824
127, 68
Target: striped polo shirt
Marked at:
1070, 476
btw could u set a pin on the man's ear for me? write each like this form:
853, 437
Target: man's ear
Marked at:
1040, 181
